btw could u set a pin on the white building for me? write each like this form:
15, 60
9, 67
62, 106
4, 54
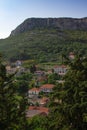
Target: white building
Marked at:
61, 70
47, 88
33, 92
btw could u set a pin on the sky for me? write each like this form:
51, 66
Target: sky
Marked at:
14, 12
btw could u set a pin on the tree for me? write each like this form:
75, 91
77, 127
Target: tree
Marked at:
69, 100
12, 106
52, 78
32, 68
38, 122
23, 83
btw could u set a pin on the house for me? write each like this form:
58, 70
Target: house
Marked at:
34, 110
47, 88
34, 92
10, 70
61, 69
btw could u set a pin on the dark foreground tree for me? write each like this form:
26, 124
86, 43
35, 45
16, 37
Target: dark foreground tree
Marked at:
69, 100
39, 122
12, 106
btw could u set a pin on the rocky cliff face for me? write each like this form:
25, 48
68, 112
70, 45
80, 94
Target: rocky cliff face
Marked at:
60, 23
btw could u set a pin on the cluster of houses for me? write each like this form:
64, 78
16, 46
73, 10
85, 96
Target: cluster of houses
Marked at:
38, 105
61, 70
35, 110
46, 88
16, 67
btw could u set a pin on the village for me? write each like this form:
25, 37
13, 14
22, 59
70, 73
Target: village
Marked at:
44, 82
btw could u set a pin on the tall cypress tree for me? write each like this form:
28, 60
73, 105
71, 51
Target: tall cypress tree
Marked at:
12, 106
69, 100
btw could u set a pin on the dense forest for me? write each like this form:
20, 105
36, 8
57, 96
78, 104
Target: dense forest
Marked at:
44, 45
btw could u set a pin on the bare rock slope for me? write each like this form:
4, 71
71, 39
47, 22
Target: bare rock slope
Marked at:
60, 23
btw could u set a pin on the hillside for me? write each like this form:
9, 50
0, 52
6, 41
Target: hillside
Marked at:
44, 43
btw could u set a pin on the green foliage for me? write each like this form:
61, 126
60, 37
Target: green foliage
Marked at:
32, 68
28, 63
12, 106
69, 100
52, 78
38, 123
43, 45
22, 83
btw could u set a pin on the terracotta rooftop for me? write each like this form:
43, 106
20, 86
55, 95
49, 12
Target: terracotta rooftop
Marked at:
34, 110
41, 109
47, 86
35, 89
60, 66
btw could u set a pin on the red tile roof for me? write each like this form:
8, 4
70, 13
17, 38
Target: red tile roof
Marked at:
60, 66
41, 109
47, 86
35, 89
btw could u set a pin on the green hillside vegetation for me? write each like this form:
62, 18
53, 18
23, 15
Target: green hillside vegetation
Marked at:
43, 45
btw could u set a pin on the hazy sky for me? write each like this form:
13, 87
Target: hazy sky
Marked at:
14, 12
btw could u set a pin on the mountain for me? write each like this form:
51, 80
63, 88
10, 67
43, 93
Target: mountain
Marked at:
45, 39
59, 23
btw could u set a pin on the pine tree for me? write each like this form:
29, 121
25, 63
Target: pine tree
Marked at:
12, 106
69, 100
